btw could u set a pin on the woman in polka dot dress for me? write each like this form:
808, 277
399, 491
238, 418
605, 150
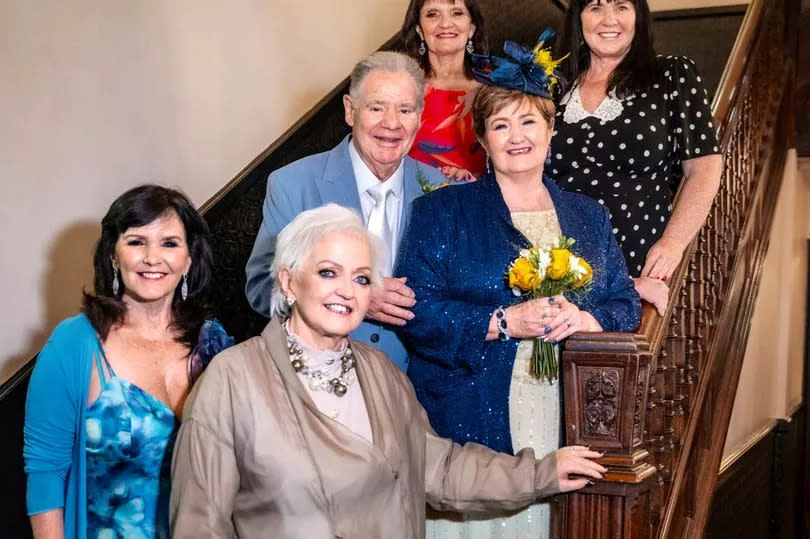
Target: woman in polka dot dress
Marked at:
631, 125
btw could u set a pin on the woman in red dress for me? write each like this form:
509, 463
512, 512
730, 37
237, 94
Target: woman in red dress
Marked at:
441, 35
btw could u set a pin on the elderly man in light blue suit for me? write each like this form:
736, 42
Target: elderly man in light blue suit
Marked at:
368, 171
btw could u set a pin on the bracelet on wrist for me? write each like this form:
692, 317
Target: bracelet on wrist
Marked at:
500, 322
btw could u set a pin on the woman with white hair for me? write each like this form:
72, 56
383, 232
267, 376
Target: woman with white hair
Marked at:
308, 433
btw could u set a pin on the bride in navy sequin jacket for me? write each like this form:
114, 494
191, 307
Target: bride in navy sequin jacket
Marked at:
456, 249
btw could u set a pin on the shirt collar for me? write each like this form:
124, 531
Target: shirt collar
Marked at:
366, 179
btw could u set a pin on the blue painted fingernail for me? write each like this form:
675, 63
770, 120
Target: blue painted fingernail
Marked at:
551, 300
548, 329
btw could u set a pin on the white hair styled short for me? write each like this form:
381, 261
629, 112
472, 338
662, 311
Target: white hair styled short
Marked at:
391, 62
296, 241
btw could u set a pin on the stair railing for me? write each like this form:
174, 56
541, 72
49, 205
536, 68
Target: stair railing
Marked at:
659, 402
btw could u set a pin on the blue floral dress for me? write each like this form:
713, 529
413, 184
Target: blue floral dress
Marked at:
130, 438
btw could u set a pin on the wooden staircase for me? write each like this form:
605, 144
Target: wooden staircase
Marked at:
659, 402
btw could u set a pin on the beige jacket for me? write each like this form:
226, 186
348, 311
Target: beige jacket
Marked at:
255, 458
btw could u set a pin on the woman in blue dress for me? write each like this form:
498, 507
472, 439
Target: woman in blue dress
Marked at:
109, 386
471, 338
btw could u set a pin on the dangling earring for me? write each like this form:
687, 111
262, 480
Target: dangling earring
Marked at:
115, 286
548, 156
184, 287
290, 301
489, 170
422, 49
470, 46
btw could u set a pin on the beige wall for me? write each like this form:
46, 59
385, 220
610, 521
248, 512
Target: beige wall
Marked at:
771, 380
664, 5
98, 95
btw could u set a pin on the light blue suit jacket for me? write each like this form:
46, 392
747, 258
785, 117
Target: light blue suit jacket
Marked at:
311, 182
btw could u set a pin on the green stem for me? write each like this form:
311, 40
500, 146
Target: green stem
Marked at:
544, 365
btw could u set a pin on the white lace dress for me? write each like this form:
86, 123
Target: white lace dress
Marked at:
534, 420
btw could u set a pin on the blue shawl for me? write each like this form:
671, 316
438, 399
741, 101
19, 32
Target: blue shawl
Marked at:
54, 447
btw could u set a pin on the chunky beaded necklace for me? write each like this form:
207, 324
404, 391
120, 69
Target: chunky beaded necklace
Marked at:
319, 379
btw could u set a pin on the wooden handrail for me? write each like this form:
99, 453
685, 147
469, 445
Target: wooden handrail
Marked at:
661, 399
730, 81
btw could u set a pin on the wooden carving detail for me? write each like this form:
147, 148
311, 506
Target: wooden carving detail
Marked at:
601, 403
638, 406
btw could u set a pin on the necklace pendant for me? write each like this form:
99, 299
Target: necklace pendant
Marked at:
318, 379
348, 364
339, 388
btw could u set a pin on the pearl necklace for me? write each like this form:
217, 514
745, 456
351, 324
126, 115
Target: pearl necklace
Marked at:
319, 378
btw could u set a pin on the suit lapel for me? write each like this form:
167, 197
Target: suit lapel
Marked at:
376, 393
411, 190
338, 184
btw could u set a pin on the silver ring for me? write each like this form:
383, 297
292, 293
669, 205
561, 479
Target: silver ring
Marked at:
567, 323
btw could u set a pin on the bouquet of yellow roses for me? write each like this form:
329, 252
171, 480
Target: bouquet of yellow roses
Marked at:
541, 272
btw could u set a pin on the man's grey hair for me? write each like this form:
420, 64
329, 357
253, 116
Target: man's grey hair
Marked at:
392, 62
296, 240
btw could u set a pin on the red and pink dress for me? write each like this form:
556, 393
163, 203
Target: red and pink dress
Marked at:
446, 137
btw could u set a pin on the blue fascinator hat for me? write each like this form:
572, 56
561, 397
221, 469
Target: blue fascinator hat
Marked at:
531, 71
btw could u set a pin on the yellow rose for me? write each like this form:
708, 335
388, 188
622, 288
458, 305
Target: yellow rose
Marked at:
586, 276
559, 264
523, 275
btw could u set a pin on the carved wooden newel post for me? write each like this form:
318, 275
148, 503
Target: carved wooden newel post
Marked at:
606, 380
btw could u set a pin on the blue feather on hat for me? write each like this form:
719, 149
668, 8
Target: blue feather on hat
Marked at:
531, 71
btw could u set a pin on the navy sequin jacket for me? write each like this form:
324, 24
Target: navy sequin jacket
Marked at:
455, 252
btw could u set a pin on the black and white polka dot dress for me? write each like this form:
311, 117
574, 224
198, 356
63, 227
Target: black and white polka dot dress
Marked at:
627, 154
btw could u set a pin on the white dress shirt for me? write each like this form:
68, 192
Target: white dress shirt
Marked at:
366, 179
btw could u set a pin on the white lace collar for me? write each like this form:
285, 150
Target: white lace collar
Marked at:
609, 109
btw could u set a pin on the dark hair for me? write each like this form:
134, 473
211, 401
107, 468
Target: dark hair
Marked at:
490, 99
411, 39
138, 207
637, 71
